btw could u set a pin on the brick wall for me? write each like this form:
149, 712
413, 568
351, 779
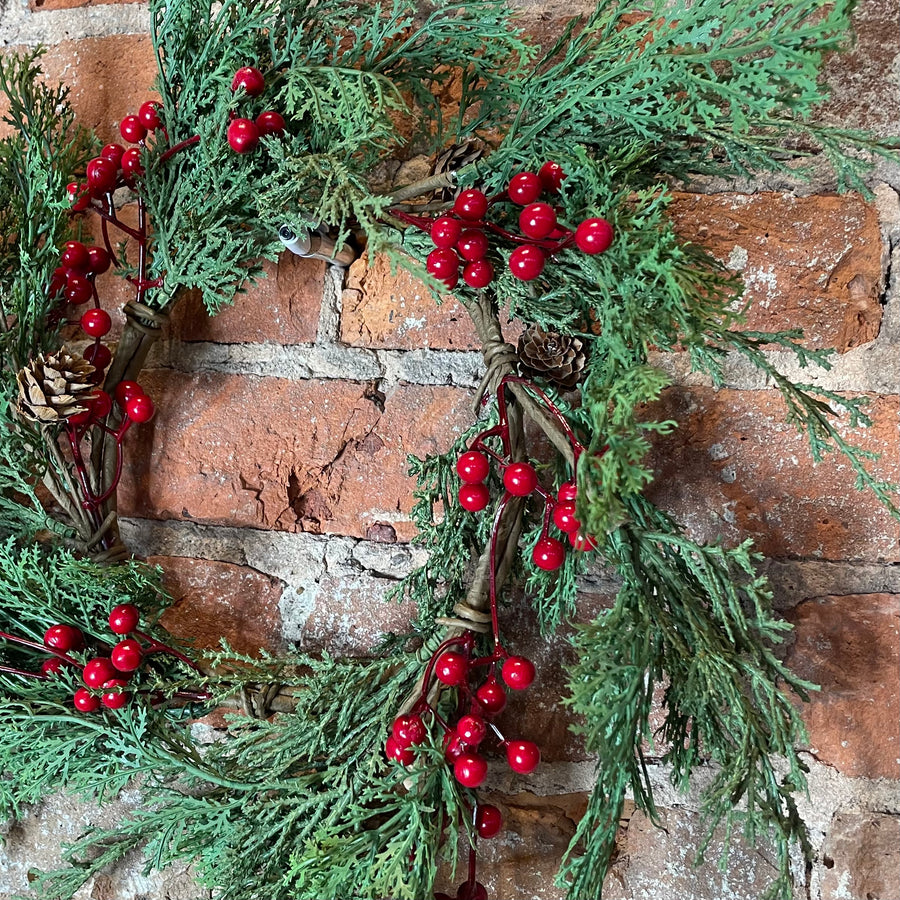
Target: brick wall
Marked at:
272, 489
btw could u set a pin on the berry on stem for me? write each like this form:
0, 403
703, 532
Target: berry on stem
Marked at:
148, 114
473, 467
393, 749
127, 655
131, 163
537, 220
525, 188
409, 729
124, 618
472, 244
79, 196
250, 79
98, 671
527, 262
581, 541
548, 554
140, 408
113, 152
113, 697
98, 355
96, 322
471, 205
478, 274
443, 264
75, 256
551, 175
568, 492
523, 756
270, 122
564, 517
474, 497
518, 672
491, 696
470, 770
63, 638
99, 260
454, 747
451, 668
85, 701
243, 135
445, 232
520, 479
101, 404
51, 667
132, 129
78, 289
102, 175
593, 236
488, 820
471, 729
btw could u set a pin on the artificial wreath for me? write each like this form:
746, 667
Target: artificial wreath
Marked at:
276, 125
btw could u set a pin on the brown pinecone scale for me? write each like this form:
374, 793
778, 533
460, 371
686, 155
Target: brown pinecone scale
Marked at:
557, 358
54, 386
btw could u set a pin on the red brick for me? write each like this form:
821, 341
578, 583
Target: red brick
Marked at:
282, 307
807, 262
851, 647
735, 469
316, 456
861, 857
215, 600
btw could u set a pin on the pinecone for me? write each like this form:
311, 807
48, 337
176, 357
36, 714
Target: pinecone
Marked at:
557, 358
53, 387
455, 157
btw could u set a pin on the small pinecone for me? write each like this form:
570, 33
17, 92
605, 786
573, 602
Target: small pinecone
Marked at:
53, 387
455, 157
558, 358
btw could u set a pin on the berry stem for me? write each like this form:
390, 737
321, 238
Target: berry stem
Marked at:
183, 145
34, 645
12, 670
159, 647
112, 219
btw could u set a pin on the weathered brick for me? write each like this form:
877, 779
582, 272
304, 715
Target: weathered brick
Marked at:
735, 469
48, 5
317, 456
807, 262
861, 857
215, 600
851, 647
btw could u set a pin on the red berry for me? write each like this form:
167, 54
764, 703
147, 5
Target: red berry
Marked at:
471, 729
593, 236
445, 232
525, 188
518, 672
113, 152
78, 289
520, 479
96, 322
85, 701
488, 820
63, 638
270, 122
564, 517
473, 467
127, 389
99, 260
451, 668
101, 404
102, 175
537, 220
131, 163
567, 492
148, 114
126, 656
471, 205
582, 541
474, 497
394, 750
551, 175
81, 418
98, 671
57, 281
409, 730
523, 756
491, 696
470, 770
454, 747
113, 697
124, 618
51, 667
548, 554
98, 355
139, 408
472, 244
75, 256
478, 274
527, 262
79, 196
250, 79
243, 135
443, 264
132, 129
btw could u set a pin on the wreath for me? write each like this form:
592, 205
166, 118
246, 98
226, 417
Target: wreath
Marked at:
278, 124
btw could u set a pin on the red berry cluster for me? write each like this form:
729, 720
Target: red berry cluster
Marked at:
244, 133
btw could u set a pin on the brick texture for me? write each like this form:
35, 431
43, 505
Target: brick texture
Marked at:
862, 857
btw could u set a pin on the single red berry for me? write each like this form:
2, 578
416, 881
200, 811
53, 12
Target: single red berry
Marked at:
243, 135
548, 554
581, 541
85, 701
57, 281
98, 671
568, 492
250, 79
451, 668
443, 264
478, 274
113, 697
98, 355
527, 262
473, 466
454, 747
491, 696
471, 205
270, 122
394, 750
518, 672
551, 175
564, 517
488, 820
593, 236
78, 289
102, 175
471, 729
472, 244
127, 389
409, 730
445, 232
132, 167
132, 129
470, 770
63, 638
96, 322
124, 618
520, 479
101, 404
126, 656
79, 196
113, 152
474, 497
525, 188
148, 114
523, 756
139, 408
81, 418
75, 256
51, 667
99, 260
537, 220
